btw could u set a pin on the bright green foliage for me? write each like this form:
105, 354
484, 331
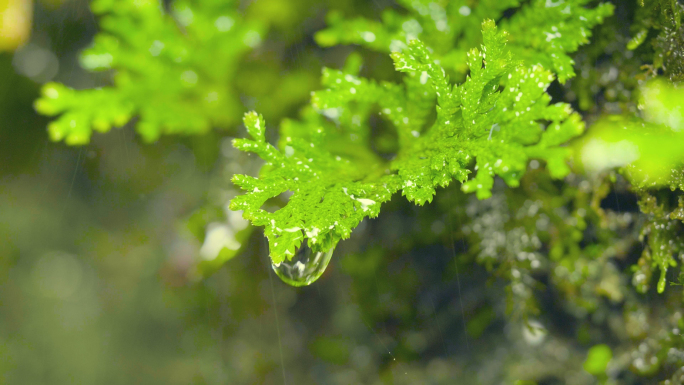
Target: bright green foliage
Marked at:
542, 31
500, 117
330, 196
648, 146
174, 70
650, 153
664, 104
449, 28
493, 117
546, 31
82, 111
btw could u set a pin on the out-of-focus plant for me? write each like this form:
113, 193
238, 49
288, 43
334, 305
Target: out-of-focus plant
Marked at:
648, 149
541, 32
648, 145
173, 69
661, 19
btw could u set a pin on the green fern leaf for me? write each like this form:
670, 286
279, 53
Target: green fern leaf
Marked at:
543, 31
498, 119
172, 70
329, 195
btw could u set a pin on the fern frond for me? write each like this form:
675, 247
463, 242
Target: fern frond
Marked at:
543, 32
498, 119
172, 70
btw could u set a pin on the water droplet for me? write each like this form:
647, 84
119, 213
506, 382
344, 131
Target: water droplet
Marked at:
304, 268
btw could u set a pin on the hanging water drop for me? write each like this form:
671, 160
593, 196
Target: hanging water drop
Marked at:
304, 268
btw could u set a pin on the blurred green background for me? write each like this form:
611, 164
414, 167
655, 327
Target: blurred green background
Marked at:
99, 248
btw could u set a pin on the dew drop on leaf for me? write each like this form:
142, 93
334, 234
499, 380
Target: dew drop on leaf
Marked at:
304, 268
